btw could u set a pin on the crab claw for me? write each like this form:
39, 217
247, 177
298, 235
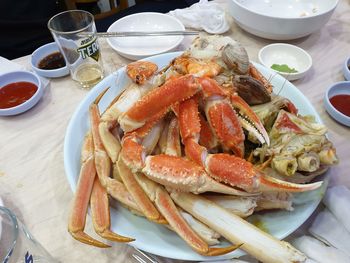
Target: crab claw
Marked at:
269, 183
249, 120
238, 172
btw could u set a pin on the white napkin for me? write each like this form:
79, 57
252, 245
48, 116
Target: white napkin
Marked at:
7, 66
204, 15
330, 230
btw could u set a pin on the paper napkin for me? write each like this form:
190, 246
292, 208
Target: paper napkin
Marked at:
7, 66
204, 15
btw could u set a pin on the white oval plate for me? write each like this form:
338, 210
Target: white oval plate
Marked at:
157, 239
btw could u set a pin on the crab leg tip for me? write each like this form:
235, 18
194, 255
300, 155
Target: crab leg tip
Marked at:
271, 182
85, 238
99, 97
107, 234
217, 251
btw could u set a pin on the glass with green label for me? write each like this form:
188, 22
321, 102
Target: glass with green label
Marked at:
74, 32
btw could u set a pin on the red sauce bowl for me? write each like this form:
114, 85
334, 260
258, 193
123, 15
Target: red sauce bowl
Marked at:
28, 101
337, 106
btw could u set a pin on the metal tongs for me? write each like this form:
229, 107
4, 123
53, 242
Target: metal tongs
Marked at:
142, 34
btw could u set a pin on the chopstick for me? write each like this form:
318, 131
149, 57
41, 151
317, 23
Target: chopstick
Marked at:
142, 34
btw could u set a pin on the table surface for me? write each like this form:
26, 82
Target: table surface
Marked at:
32, 177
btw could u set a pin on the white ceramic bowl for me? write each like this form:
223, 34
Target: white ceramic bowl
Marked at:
346, 70
281, 19
140, 47
17, 76
339, 88
40, 54
290, 55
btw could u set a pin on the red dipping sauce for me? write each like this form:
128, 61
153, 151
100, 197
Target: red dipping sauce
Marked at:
14, 94
341, 103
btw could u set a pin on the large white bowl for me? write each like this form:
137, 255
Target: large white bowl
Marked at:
281, 19
140, 47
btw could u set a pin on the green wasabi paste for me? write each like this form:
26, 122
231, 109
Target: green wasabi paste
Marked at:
283, 68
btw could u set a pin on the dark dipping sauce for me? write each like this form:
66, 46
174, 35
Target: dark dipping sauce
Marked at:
16, 93
52, 61
341, 103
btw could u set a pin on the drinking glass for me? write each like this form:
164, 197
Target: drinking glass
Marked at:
74, 32
17, 245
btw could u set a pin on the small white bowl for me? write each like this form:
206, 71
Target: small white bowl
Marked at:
135, 48
346, 70
281, 19
339, 88
17, 76
291, 55
39, 54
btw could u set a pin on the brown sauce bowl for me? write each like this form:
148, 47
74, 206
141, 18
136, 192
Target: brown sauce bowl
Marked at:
47, 53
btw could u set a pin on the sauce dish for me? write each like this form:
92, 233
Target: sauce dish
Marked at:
50, 54
16, 84
287, 60
339, 88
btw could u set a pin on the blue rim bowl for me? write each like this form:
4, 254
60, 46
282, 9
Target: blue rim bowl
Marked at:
41, 53
338, 88
17, 76
346, 70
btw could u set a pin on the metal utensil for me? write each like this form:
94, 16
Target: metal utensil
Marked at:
142, 34
143, 257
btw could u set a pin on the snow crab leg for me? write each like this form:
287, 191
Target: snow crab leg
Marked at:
257, 243
89, 188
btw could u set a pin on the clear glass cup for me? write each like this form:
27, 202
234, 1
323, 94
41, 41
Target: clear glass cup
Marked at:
17, 245
74, 32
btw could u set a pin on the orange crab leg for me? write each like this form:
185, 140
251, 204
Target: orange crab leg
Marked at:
99, 199
138, 194
78, 212
159, 99
207, 138
184, 175
102, 161
167, 207
100, 214
173, 138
